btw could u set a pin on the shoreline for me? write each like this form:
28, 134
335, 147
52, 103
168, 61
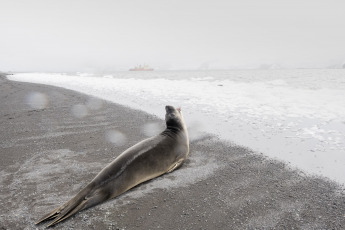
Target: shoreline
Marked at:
49, 154
278, 118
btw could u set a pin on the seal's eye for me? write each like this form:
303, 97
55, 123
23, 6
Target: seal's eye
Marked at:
172, 116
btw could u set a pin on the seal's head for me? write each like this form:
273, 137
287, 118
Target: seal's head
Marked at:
173, 117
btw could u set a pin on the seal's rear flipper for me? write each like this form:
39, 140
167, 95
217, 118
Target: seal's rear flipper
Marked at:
79, 202
67, 212
49, 216
60, 212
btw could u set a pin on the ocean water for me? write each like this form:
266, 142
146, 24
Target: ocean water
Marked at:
296, 116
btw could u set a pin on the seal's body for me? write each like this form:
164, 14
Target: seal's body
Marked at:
148, 159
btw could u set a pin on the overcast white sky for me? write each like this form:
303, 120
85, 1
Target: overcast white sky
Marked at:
105, 35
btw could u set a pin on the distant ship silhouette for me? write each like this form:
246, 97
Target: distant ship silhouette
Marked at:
141, 68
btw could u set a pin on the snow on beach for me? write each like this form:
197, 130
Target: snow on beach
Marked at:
297, 116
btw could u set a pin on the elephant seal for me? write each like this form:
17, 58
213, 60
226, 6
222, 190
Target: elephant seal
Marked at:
147, 159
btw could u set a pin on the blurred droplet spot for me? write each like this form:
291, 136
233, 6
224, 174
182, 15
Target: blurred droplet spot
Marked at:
94, 103
195, 131
151, 129
116, 137
79, 111
37, 100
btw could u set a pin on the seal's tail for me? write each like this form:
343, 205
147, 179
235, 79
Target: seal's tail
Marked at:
77, 203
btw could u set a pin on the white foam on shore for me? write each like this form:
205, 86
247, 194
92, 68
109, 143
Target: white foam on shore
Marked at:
294, 122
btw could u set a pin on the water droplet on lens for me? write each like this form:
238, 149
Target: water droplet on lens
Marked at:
94, 103
37, 100
116, 137
195, 131
79, 111
151, 129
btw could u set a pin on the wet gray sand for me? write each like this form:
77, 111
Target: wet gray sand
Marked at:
49, 153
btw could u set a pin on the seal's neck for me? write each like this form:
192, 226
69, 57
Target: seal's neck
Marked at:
173, 131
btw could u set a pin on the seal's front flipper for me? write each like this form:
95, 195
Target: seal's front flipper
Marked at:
176, 165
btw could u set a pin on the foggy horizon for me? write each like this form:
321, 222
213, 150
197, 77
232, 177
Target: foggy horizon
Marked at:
105, 36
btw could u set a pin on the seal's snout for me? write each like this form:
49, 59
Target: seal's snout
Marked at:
169, 108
